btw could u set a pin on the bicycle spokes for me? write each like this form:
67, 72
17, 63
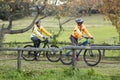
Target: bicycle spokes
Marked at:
53, 56
92, 57
91, 53
67, 57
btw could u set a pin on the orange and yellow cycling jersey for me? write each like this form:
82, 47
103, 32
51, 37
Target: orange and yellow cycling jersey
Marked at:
39, 31
78, 31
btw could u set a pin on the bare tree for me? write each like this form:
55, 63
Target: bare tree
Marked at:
111, 8
68, 8
8, 29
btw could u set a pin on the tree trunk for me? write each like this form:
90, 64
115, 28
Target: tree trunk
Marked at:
119, 37
89, 11
1, 37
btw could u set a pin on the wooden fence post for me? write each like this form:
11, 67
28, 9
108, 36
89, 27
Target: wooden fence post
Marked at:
19, 60
74, 65
103, 52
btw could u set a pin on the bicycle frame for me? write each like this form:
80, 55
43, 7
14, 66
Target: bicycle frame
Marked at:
91, 57
45, 42
83, 44
34, 55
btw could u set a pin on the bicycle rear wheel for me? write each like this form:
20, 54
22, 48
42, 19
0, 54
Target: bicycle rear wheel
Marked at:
92, 57
53, 56
67, 58
28, 55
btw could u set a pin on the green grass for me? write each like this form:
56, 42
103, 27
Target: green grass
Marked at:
45, 70
102, 30
52, 74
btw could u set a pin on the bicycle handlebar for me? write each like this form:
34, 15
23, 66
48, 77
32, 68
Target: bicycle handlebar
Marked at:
45, 40
87, 37
86, 41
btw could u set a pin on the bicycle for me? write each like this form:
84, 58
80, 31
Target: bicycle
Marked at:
51, 56
91, 57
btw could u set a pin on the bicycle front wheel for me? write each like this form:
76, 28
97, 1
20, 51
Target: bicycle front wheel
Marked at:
28, 55
92, 57
67, 58
53, 56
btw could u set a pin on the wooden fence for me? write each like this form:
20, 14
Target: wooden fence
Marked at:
20, 49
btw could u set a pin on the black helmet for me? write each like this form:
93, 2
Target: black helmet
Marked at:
38, 21
79, 20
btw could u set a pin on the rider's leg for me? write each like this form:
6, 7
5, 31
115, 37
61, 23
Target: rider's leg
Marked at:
34, 39
74, 40
36, 43
74, 43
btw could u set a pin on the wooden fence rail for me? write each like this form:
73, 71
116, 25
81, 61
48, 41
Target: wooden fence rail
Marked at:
115, 47
60, 49
20, 49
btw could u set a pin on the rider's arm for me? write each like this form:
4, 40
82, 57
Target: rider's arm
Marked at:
86, 31
45, 31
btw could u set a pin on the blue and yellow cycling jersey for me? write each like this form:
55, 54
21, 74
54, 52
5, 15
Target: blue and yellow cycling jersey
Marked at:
39, 32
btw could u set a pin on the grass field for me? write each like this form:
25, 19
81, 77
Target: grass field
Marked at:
102, 31
45, 70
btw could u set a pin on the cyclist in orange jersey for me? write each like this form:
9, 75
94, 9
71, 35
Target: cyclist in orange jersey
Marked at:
78, 31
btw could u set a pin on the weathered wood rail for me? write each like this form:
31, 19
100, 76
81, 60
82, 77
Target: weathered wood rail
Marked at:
20, 49
94, 47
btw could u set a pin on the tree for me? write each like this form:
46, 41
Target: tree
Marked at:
111, 8
67, 8
8, 30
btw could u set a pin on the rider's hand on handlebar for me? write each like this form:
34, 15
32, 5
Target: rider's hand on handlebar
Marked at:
87, 37
51, 37
44, 37
91, 38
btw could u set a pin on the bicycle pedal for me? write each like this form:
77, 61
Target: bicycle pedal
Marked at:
52, 52
91, 55
38, 54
